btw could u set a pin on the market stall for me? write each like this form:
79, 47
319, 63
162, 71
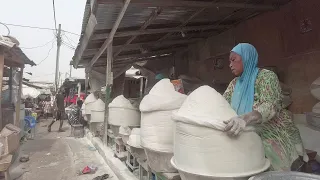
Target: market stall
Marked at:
12, 62
189, 43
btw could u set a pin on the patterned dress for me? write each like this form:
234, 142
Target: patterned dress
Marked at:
280, 137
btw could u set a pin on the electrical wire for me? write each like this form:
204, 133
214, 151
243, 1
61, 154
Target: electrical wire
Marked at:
38, 46
47, 53
69, 40
6, 27
68, 45
35, 27
54, 15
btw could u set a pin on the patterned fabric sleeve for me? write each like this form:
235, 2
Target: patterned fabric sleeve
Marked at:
268, 94
229, 91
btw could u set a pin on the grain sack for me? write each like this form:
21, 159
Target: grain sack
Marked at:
211, 152
123, 113
157, 125
315, 89
88, 103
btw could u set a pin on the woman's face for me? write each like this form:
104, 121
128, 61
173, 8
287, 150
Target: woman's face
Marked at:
236, 65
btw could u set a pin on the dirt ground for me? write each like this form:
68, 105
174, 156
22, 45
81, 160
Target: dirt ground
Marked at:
56, 156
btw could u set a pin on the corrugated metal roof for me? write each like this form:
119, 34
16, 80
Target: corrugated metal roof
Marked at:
169, 17
14, 56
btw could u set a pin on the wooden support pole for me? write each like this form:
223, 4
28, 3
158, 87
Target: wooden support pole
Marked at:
10, 84
1, 77
18, 103
86, 84
109, 83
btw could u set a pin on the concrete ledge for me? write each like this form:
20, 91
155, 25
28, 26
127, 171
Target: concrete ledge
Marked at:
118, 167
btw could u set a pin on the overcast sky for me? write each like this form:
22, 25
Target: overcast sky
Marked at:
69, 14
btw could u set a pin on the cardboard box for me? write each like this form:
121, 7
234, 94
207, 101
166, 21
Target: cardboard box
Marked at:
10, 138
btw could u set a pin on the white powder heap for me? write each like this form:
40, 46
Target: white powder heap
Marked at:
98, 105
90, 99
315, 89
316, 108
134, 138
206, 107
162, 96
124, 130
121, 102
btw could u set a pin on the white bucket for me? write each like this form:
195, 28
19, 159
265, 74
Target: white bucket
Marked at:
124, 117
212, 152
160, 161
125, 138
97, 116
189, 176
138, 153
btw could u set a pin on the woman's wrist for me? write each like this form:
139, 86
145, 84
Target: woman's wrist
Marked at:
252, 118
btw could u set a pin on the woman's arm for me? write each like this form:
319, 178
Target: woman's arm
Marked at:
269, 94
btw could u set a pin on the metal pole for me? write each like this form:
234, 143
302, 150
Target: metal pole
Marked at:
109, 82
1, 79
57, 58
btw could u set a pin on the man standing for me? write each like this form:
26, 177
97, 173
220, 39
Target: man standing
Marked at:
59, 110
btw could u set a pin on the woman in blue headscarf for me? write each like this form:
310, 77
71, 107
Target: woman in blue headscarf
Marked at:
255, 95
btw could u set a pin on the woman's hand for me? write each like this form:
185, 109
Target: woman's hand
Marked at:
235, 125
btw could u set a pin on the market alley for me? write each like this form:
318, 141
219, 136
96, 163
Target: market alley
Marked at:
55, 156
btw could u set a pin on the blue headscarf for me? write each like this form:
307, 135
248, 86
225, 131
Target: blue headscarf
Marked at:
243, 95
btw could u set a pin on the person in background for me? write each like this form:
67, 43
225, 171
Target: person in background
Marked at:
59, 111
255, 95
47, 107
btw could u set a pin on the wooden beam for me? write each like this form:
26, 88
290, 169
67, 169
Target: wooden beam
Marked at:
94, 6
18, 103
84, 40
86, 83
187, 21
152, 17
161, 30
137, 46
109, 83
184, 23
140, 57
190, 4
111, 35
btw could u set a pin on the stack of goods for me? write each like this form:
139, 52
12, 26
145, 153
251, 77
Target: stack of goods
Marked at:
97, 111
157, 125
122, 113
286, 98
135, 144
313, 118
87, 106
124, 133
203, 151
97, 117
